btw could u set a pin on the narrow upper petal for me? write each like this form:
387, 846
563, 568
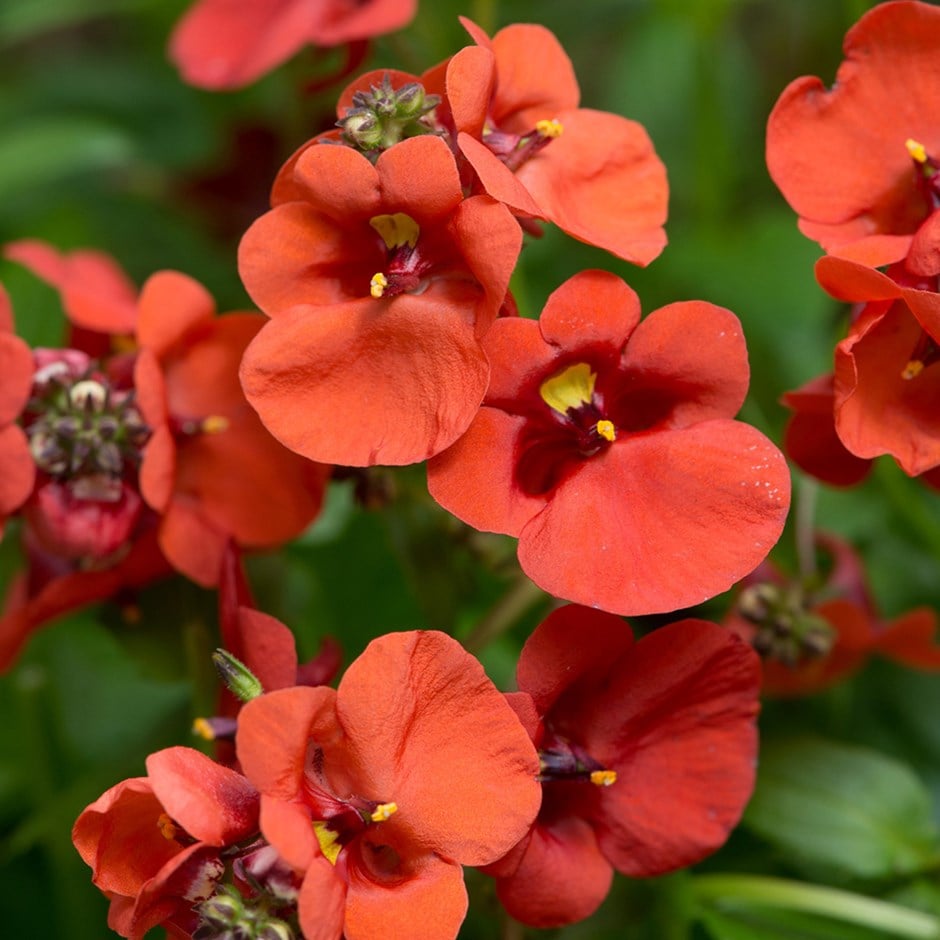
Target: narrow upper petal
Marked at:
16, 367
17, 469
322, 902
214, 804
171, 304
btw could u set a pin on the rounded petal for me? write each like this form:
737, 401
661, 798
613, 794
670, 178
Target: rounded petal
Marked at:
693, 349
17, 470
676, 719
660, 521
591, 308
419, 177
192, 544
437, 738
267, 648
338, 181
287, 826
562, 877
613, 195
322, 902
96, 293
519, 359
911, 640
214, 804
877, 410
16, 367
295, 254
371, 382
429, 904
475, 478
228, 43
171, 304
535, 78
570, 645
273, 732
846, 175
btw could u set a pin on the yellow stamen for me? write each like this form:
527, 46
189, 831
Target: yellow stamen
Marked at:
396, 230
606, 430
550, 128
383, 811
202, 728
166, 826
571, 388
912, 369
916, 149
214, 424
603, 778
329, 841
378, 284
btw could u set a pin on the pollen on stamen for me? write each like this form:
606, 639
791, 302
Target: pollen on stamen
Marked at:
916, 149
606, 430
167, 827
378, 284
549, 128
603, 778
214, 424
202, 728
383, 811
912, 370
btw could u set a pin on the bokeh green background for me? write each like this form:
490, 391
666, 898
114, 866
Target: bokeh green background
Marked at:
103, 146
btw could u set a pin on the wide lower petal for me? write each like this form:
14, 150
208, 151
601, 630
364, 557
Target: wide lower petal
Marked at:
660, 521
372, 382
436, 737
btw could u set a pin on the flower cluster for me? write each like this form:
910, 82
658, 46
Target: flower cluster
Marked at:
131, 452
355, 809
868, 192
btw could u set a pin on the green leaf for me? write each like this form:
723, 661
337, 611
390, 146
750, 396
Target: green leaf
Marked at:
845, 811
757, 923
21, 19
42, 150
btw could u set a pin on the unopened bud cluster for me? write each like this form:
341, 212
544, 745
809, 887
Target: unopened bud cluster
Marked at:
79, 426
384, 115
786, 630
229, 916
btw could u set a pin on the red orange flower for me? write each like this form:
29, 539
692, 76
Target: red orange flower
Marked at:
154, 842
886, 384
379, 281
862, 186
812, 635
380, 791
228, 43
607, 447
511, 106
811, 441
647, 752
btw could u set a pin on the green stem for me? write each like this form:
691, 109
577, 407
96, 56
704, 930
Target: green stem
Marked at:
520, 596
742, 890
906, 500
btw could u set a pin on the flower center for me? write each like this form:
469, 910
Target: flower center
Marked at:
570, 394
561, 760
925, 353
515, 149
405, 269
927, 168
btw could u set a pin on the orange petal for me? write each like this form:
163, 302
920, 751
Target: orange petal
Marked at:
191, 543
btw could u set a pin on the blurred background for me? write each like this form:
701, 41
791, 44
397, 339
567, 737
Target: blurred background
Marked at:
104, 146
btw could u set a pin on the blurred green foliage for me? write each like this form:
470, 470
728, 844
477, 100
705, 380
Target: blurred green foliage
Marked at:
103, 146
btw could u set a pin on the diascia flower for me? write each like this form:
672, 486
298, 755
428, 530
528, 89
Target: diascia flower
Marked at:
814, 632
511, 109
380, 282
886, 381
647, 752
220, 44
606, 446
858, 161
155, 843
379, 791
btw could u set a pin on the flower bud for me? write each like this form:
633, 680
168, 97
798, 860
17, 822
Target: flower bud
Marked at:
236, 676
362, 129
